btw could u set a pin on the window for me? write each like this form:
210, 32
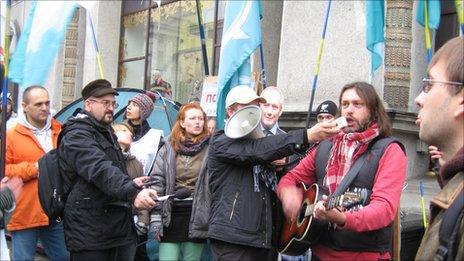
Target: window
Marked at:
166, 41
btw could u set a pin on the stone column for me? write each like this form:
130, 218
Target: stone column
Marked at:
398, 53
70, 61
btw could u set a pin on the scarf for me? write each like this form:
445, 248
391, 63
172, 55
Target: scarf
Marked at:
189, 148
140, 130
43, 136
452, 167
346, 149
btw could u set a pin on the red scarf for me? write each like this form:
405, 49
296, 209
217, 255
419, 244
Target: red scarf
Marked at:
347, 147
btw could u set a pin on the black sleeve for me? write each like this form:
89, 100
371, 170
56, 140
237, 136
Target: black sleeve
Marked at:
82, 153
256, 151
6, 199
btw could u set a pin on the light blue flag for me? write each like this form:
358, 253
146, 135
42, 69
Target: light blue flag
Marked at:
375, 31
241, 36
40, 41
434, 13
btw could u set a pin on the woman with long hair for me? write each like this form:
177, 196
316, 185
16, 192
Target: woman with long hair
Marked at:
181, 164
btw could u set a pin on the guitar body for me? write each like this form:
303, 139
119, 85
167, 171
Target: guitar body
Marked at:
297, 236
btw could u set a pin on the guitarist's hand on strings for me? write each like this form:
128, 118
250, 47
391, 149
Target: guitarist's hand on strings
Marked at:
322, 131
334, 215
291, 198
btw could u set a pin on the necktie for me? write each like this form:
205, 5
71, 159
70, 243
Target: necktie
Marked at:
267, 133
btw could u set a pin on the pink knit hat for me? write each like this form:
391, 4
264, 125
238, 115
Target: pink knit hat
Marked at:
145, 104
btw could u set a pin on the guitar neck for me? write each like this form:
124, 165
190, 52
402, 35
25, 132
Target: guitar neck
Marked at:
333, 202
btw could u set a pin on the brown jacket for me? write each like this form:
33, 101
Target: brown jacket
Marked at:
439, 204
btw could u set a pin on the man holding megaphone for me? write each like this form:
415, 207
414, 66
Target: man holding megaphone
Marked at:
241, 224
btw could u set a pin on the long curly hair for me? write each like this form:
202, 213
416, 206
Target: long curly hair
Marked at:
178, 134
373, 102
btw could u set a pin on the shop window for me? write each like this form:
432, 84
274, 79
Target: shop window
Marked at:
166, 41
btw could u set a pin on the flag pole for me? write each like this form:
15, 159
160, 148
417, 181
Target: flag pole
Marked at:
202, 37
428, 43
318, 63
95, 45
4, 82
460, 12
263, 70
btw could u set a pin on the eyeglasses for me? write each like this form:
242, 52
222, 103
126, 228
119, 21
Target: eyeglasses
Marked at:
106, 103
428, 83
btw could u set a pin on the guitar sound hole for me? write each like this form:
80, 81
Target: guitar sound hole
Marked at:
301, 215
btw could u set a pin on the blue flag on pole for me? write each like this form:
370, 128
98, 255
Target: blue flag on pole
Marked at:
40, 41
241, 36
433, 10
375, 23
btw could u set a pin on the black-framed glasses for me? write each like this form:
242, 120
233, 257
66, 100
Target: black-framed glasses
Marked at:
428, 83
106, 103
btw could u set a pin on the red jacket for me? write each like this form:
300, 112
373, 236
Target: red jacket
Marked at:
22, 153
380, 211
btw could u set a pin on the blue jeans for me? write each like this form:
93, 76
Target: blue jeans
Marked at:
52, 238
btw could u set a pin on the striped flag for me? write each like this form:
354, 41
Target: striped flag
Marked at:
40, 41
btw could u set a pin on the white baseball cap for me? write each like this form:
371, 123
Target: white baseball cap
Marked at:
242, 94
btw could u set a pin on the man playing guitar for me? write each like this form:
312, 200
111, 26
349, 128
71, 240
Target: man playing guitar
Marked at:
365, 234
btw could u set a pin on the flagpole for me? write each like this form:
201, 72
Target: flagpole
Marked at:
428, 43
202, 38
318, 63
4, 82
263, 70
95, 45
460, 12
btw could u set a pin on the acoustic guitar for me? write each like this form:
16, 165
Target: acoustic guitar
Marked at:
298, 235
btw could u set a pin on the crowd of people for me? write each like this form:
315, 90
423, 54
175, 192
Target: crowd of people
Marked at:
123, 177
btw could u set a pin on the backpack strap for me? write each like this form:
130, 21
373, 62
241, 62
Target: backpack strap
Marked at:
449, 229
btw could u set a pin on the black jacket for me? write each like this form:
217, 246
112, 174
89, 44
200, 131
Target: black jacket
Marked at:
98, 211
239, 215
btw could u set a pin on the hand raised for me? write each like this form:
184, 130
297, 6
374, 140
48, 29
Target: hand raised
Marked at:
322, 131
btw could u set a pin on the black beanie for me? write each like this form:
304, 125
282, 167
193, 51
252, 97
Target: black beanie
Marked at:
327, 107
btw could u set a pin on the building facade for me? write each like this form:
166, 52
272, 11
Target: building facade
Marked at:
138, 39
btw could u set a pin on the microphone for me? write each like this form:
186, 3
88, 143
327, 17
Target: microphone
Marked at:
182, 193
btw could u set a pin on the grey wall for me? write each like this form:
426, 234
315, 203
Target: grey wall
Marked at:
271, 28
106, 17
345, 58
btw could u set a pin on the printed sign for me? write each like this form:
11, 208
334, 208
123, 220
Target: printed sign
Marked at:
209, 95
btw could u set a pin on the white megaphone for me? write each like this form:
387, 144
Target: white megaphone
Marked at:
244, 123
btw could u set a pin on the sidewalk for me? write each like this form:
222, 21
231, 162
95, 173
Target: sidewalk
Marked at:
411, 200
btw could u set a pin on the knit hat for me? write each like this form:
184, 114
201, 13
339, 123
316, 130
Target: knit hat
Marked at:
327, 107
145, 104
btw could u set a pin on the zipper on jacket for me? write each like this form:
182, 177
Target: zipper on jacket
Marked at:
233, 206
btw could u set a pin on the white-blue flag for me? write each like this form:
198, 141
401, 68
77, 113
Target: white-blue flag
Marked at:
40, 41
241, 36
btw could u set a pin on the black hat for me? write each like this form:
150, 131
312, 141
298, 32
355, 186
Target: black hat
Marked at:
98, 88
327, 107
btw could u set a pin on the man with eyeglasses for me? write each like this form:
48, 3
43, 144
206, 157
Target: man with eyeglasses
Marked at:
98, 212
441, 124
35, 134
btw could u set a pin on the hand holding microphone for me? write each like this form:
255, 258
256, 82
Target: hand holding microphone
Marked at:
182, 193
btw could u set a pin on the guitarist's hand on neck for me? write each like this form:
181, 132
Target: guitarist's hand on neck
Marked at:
291, 198
333, 215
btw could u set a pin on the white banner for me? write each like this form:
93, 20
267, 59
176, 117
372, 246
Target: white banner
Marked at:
209, 95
